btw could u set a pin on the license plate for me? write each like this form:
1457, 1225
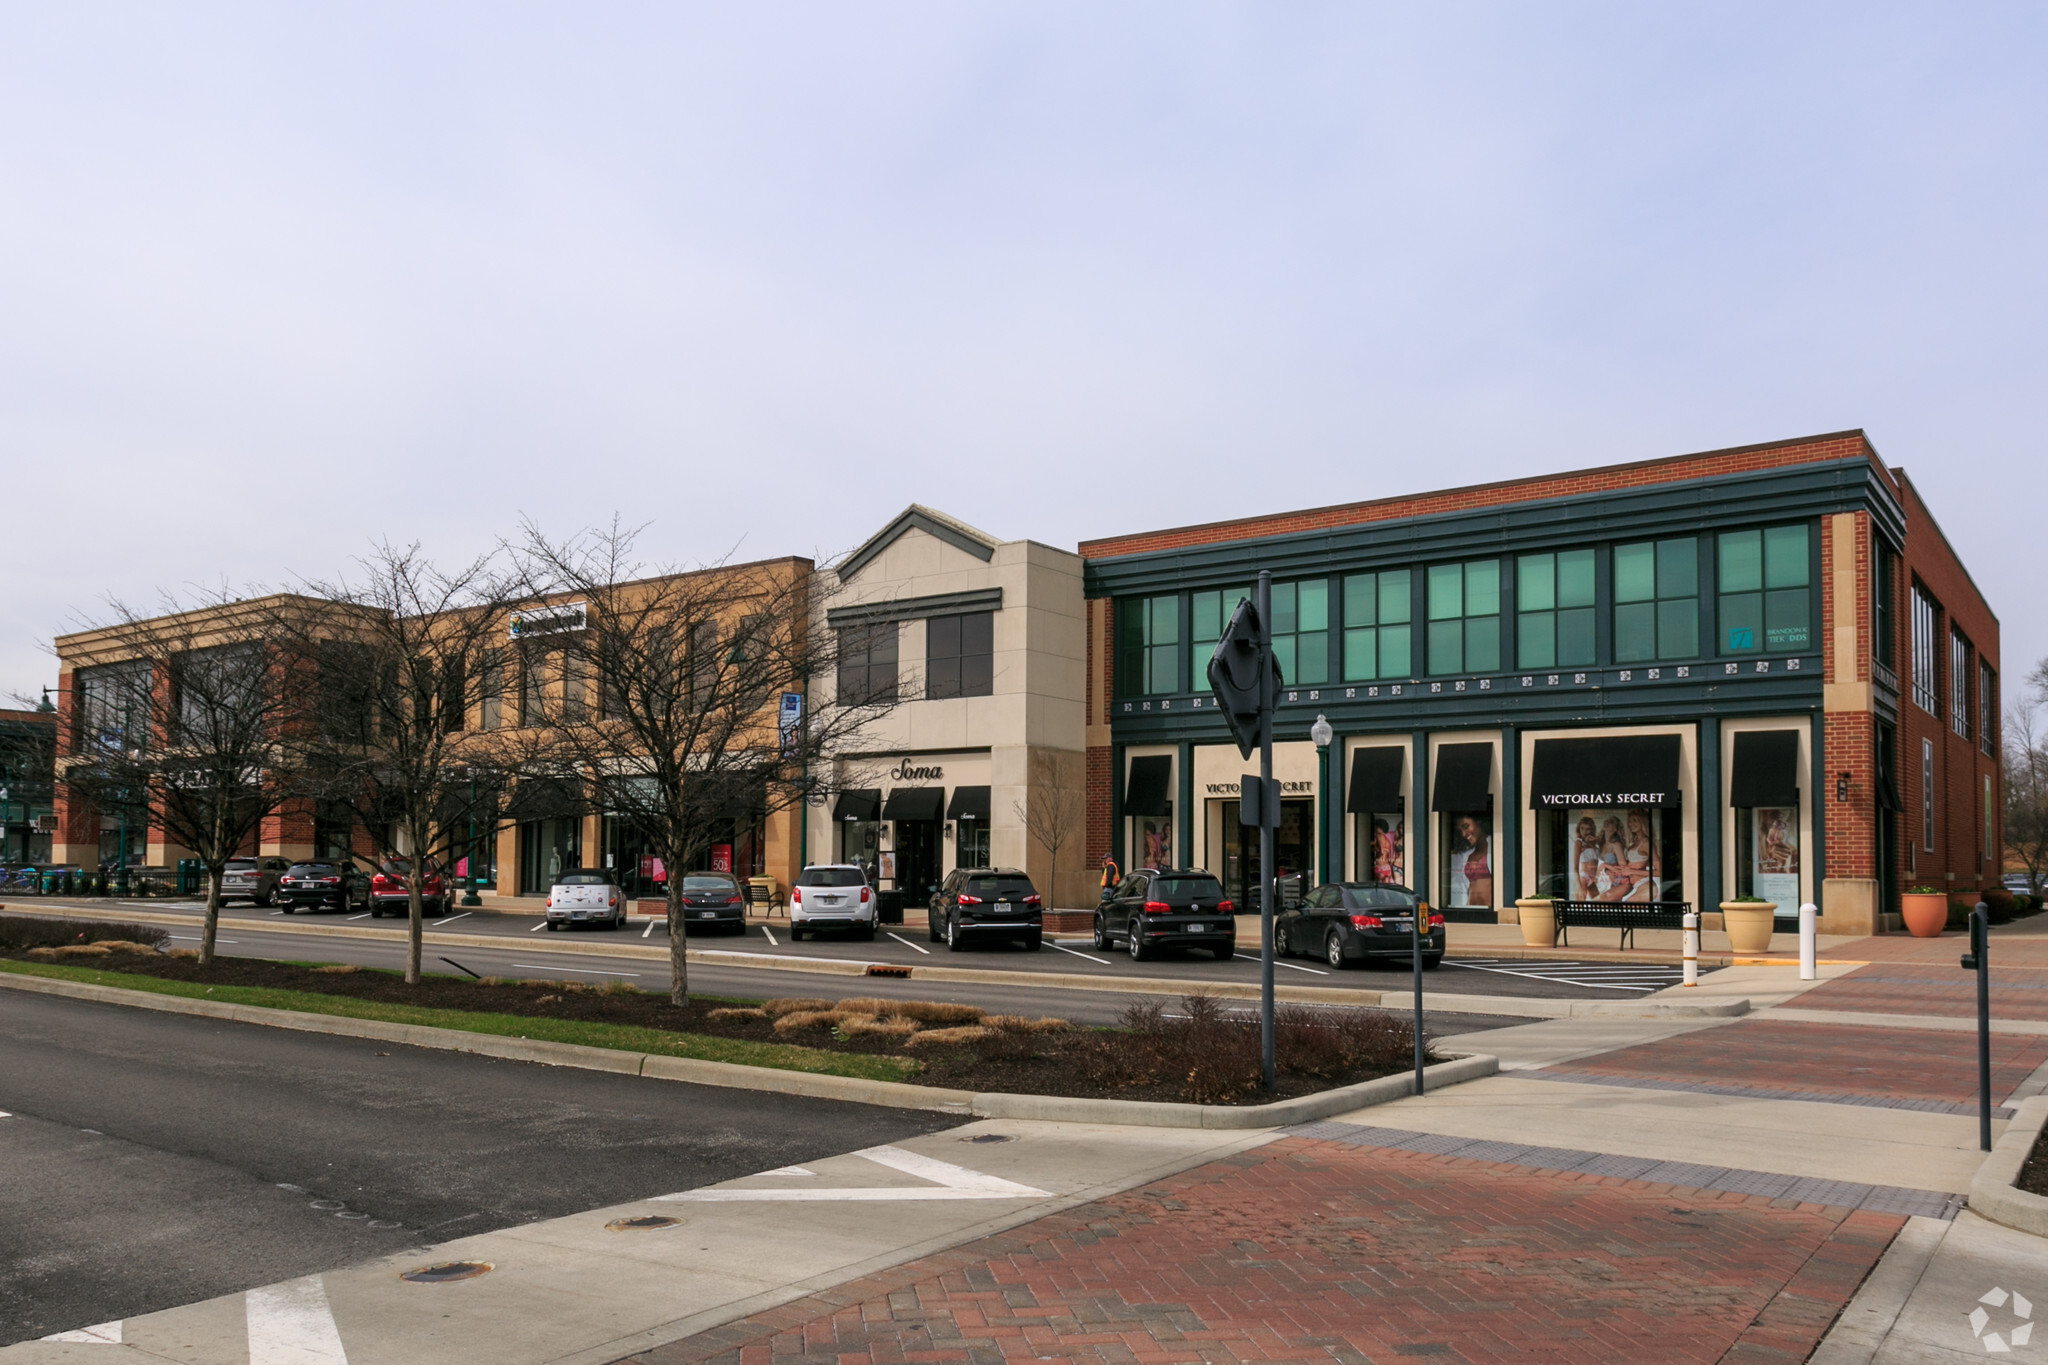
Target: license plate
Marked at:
1002, 907
1405, 925
1198, 928
707, 914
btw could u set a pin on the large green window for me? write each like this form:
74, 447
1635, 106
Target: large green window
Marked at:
1377, 616
1656, 600
1554, 610
1148, 646
1464, 617
1208, 612
1301, 631
1766, 599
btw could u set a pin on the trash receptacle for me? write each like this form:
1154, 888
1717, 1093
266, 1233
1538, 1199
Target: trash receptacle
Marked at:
191, 876
889, 907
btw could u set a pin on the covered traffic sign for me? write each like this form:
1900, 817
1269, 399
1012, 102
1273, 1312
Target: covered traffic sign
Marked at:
1234, 670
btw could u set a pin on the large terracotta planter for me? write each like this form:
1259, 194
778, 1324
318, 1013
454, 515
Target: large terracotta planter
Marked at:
1748, 925
1539, 923
1925, 913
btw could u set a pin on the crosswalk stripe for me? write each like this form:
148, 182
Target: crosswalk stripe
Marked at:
292, 1324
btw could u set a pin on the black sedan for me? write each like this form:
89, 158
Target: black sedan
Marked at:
713, 900
323, 886
1348, 922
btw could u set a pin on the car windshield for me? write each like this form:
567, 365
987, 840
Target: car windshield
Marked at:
1195, 888
1372, 897
312, 870
582, 879
697, 883
986, 887
832, 876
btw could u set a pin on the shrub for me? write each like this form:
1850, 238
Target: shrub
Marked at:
338, 969
1019, 1023
616, 988
736, 1015
21, 932
866, 1025
778, 1008
924, 1011
934, 1037
1214, 1053
802, 1019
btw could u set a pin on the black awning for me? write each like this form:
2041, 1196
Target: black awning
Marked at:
1605, 770
544, 798
1464, 778
1766, 770
915, 803
864, 803
1145, 792
1375, 781
968, 803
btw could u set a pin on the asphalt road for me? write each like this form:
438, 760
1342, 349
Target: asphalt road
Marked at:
150, 1160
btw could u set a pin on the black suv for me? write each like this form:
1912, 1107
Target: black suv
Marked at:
323, 886
1155, 908
1347, 922
976, 903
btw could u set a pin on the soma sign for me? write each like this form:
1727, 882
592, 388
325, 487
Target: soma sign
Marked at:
909, 772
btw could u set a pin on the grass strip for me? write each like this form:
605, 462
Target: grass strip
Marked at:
621, 1037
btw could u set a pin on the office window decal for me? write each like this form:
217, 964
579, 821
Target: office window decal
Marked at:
1766, 597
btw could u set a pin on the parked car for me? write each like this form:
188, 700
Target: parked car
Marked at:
323, 886
1156, 908
979, 903
713, 900
1348, 922
585, 895
832, 896
252, 879
391, 885
2020, 884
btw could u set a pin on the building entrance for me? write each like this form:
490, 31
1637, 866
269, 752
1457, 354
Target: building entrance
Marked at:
917, 858
1293, 853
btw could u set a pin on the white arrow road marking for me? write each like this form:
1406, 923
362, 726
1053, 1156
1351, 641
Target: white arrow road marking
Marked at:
291, 1324
948, 1182
106, 1334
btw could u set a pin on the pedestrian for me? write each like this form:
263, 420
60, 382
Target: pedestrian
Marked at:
1110, 876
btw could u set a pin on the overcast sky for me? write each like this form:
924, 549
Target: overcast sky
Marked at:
275, 280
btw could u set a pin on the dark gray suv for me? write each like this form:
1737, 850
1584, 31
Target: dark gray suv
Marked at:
1156, 908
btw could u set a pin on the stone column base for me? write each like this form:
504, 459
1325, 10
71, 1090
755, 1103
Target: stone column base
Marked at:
1848, 905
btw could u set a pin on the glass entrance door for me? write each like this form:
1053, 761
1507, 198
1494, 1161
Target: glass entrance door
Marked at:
1293, 855
917, 858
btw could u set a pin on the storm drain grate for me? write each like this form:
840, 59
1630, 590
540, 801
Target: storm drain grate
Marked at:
446, 1271
884, 969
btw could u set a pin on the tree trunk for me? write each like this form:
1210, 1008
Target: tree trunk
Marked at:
678, 941
415, 909
213, 876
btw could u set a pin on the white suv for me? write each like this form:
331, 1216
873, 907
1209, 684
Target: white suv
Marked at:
833, 896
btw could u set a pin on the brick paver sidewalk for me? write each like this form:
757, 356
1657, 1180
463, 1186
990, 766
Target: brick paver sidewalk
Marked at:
1318, 1251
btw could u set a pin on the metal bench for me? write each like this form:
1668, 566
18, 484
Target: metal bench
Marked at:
1627, 916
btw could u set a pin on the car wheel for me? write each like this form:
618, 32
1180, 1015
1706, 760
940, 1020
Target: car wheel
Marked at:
931, 927
263, 901
867, 933
1033, 942
1225, 951
554, 927
1103, 942
798, 935
1431, 961
954, 942
1333, 951
1135, 941
286, 908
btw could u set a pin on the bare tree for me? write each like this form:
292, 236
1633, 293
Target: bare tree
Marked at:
661, 689
2026, 778
1055, 809
191, 718
411, 663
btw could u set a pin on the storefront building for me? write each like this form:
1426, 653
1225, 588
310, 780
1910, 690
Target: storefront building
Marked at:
979, 646
1752, 672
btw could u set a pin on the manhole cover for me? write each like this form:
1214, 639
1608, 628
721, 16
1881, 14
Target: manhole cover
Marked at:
989, 1137
646, 1222
446, 1271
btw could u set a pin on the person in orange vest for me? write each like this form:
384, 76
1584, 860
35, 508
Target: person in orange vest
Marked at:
1110, 876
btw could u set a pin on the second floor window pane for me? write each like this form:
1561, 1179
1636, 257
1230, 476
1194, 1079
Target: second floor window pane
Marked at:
867, 664
1377, 615
1148, 659
1301, 631
1656, 600
1464, 617
959, 655
1208, 612
1554, 610
1765, 599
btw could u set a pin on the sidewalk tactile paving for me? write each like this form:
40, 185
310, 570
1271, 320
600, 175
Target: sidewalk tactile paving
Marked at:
1338, 1244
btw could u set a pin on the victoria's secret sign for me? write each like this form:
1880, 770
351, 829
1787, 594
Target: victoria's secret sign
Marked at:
1604, 799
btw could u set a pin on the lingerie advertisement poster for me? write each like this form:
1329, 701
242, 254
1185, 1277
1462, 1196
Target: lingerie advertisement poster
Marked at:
1774, 856
1614, 854
1389, 837
1155, 838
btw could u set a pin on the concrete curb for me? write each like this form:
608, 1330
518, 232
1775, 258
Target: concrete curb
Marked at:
890, 1094
1993, 1191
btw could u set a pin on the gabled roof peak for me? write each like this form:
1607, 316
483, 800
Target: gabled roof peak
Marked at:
932, 522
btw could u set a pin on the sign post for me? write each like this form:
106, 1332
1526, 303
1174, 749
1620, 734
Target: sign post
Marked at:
1246, 681
1978, 960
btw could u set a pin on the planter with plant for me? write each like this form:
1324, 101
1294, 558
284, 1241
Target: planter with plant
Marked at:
1925, 911
1538, 918
1748, 922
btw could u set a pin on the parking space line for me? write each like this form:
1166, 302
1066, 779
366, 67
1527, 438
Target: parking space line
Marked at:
1102, 960
1295, 966
538, 927
277, 912
771, 936
650, 927
452, 918
364, 915
908, 944
587, 971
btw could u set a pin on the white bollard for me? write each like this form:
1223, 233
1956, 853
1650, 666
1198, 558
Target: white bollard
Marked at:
1692, 948
1808, 929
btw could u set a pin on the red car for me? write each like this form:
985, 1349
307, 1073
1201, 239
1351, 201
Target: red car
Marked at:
390, 889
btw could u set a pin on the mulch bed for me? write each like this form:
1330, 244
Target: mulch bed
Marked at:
2034, 1174
1189, 1051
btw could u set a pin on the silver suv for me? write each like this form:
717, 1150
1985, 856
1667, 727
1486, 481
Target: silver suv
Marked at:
832, 896
254, 878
